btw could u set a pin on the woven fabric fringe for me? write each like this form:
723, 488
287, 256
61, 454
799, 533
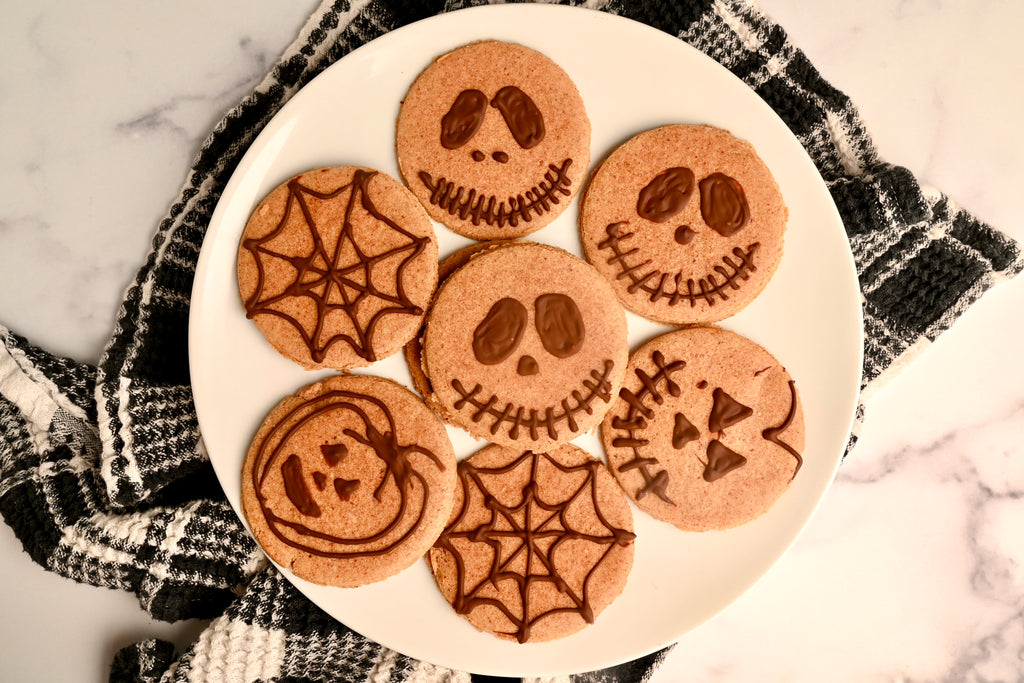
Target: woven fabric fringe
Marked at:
104, 480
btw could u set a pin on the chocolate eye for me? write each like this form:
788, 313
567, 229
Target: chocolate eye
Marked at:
723, 204
666, 195
521, 115
498, 334
559, 324
463, 119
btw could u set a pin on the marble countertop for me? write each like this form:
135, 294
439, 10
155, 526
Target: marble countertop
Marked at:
913, 567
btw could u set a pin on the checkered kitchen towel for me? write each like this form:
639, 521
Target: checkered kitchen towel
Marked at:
102, 475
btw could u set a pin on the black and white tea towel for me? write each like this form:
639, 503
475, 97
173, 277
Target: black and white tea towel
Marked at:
102, 474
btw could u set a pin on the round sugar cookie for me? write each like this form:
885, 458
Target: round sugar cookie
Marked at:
707, 431
525, 345
413, 350
337, 266
493, 139
686, 222
538, 544
349, 481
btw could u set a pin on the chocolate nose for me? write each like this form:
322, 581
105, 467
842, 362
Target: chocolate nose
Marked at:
527, 366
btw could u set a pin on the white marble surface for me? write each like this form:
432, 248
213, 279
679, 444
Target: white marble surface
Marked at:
913, 568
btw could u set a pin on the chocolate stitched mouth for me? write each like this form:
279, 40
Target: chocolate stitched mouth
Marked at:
479, 207
516, 416
656, 282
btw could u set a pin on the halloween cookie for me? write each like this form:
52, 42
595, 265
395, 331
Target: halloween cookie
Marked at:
337, 266
686, 222
493, 138
349, 481
537, 545
707, 431
413, 350
525, 345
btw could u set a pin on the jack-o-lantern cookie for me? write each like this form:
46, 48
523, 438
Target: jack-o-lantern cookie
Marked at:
686, 222
538, 543
349, 481
493, 138
337, 267
525, 345
707, 432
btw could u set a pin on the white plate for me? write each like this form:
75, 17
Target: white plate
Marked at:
632, 78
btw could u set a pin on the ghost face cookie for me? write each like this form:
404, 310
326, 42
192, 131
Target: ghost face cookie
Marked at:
538, 543
336, 267
349, 481
494, 140
707, 431
525, 345
686, 222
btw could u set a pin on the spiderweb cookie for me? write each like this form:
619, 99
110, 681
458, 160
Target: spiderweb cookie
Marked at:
336, 266
537, 545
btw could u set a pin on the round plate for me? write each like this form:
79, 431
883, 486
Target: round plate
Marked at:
632, 78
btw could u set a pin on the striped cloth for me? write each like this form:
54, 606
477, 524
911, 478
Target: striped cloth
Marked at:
104, 480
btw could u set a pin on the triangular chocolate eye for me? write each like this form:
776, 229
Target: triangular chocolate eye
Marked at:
721, 461
345, 487
726, 412
463, 119
333, 452
521, 115
683, 432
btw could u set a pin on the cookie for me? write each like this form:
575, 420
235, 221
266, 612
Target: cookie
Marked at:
413, 350
494, 139
525, 345
337, 266
686, 222
707, 431
538, 544
349, 481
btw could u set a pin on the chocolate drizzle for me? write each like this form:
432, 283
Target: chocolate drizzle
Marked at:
660, 285
532, 420
636, 419
337, 279
772, 433
721, 461
478, 207
400, 473
525, 542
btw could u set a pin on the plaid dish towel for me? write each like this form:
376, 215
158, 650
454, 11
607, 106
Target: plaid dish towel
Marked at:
102, 473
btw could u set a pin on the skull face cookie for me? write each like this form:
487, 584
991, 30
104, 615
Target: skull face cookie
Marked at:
686, 222
525, 346
349, 481
707, 431
493, 139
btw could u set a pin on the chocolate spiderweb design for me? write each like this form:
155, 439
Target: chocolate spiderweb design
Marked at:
398, 471
517, 416
337, 278
636, 419
657, 283
527, 543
